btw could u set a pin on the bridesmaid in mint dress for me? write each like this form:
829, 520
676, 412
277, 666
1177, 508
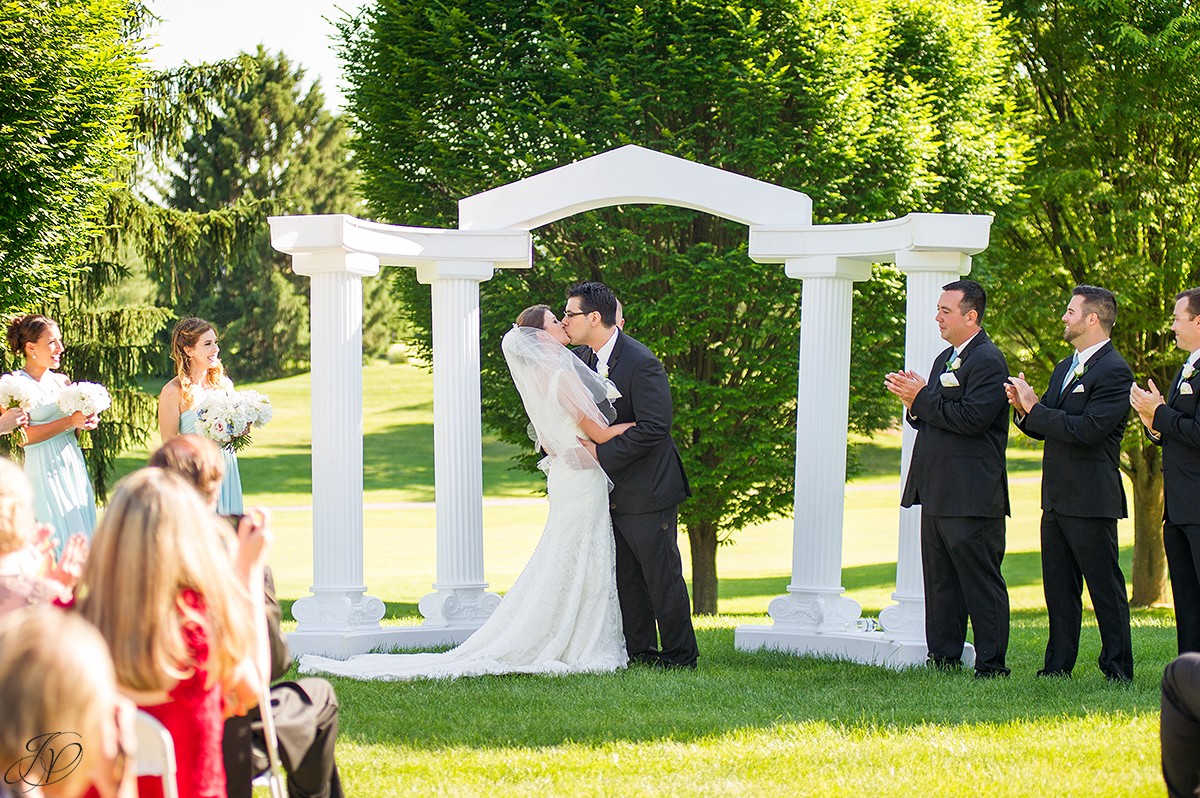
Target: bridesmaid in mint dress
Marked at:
198, 373
62, 490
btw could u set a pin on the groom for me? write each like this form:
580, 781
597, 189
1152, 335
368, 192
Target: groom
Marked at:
648, 482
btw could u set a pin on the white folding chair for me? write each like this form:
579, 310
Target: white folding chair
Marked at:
156, 752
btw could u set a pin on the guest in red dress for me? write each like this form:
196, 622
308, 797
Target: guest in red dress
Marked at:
175, 606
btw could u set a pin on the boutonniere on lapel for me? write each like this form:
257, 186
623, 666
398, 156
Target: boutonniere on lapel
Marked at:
1185, 387
949, 378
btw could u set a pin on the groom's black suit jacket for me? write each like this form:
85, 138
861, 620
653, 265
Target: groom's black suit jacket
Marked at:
957, 466
1082, 427
643, 464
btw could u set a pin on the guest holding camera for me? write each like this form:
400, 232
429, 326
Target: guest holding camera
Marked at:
174, 603
306, 710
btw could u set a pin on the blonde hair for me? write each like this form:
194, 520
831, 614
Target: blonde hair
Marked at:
156, 541
55, 676
16, 508
197, 460
185, 335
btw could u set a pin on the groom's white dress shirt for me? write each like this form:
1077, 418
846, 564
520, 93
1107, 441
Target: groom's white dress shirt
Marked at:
604, 353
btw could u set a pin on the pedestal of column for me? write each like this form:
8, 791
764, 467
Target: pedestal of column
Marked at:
338, 607
926, 273
815, 617
460, 600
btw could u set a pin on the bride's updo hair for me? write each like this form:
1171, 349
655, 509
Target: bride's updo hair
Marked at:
534, 317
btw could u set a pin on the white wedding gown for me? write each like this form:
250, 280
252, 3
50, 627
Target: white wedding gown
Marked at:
561, 616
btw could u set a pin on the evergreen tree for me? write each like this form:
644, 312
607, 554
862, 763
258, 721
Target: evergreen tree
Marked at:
873, 109
69, 82
271, 147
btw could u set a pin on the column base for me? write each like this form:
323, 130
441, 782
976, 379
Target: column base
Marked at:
455, 606
340, 645
814, 610
868, 648
904, 621
338, 610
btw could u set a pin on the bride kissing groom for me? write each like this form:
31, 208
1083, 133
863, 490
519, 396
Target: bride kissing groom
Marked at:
606, 567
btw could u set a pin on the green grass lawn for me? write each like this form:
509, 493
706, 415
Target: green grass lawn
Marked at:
743, 724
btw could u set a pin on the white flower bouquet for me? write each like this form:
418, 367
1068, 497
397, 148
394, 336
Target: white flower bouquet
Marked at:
17, 392
88, 398
226, 418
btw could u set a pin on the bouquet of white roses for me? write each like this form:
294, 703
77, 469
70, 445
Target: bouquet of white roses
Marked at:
226, 418
17, 392
88, 398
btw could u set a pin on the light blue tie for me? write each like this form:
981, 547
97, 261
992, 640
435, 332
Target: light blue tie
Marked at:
1070, 376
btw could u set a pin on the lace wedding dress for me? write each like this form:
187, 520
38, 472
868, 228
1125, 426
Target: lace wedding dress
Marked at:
561, 616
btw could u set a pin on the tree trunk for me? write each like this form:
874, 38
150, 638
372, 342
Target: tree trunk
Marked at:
1149, 558
702, 538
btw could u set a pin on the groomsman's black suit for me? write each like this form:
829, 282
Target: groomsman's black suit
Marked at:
648, 485
1179, 429
1180, 726
1082, 498
958, 476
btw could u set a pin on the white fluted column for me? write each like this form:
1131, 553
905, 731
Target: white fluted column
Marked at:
814, 601
338, 602
926, 273
460, 597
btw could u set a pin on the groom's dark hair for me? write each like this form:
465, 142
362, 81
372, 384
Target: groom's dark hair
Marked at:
595, 296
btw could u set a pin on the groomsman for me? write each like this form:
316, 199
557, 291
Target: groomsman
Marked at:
1172, 424
1082, 417
959, 478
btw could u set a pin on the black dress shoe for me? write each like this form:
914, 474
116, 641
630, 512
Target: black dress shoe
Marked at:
1116, 678
651, 659
992, 674
944, 663
1056, 674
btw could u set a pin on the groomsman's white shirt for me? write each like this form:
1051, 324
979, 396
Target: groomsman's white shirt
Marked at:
1086, 354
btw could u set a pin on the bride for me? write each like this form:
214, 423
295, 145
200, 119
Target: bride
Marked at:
561, 615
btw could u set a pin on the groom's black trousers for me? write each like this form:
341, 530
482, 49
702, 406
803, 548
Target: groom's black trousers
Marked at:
650, 587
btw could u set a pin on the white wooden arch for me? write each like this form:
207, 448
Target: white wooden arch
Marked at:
336, 252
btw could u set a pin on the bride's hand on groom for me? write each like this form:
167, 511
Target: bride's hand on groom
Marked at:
591, 447
621, 429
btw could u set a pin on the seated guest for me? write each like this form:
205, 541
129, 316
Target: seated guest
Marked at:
305, 711
175, 607
28, 572
59, 694
1180, 731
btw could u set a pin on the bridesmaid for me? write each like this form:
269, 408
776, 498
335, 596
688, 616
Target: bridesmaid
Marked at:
62, 491
198, 372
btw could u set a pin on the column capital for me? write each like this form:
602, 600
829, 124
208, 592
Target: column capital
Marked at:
455, 270
335, 261
933, 261
827, 266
